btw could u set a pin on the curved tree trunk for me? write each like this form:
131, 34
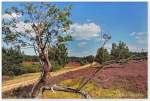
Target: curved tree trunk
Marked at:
44, 75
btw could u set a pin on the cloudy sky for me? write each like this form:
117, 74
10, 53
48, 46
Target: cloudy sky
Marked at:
124, 21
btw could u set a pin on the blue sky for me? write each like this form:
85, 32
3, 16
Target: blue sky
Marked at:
125, 21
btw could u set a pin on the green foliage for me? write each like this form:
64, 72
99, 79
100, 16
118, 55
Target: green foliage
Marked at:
58, 54
63, 39
139, 54
120, 51
52, 22
82, 60
102, 55
86, 60
55, 65
89, 58
11, 59
30, 58
47, 22
30, 68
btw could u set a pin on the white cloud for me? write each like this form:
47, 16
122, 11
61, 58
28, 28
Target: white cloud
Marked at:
86, 31
137, 33
15, 15
82, 44
11, 16
22, 27
140, 37
132, 34
6, 16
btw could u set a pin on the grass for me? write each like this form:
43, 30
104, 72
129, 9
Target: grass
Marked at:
59, 95
93, 90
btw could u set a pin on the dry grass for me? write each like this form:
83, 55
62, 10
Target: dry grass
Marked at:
21, 78
93, 90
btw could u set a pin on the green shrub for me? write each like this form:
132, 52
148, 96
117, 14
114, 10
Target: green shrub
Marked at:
11, 59
102, 55
30, 68
55, 65
120, 50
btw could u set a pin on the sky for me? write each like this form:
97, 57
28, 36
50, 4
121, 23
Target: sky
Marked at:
124, 21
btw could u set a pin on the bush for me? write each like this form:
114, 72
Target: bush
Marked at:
120, 51
82, 62
102, 55
55, 65
30, 68
11, 59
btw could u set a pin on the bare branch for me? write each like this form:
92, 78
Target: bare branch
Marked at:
47, 39
93, 74
66, 89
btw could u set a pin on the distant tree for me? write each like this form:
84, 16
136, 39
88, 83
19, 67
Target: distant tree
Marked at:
89, 58
62, 53
41, 23
139, 54
30, 58
120, 50
11, 59
102, 55
59, 53
82, 60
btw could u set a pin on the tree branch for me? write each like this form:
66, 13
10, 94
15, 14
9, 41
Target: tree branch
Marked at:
66, 89
47, 37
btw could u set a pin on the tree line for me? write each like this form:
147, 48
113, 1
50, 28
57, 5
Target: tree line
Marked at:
118, 51
12, 58
12, 62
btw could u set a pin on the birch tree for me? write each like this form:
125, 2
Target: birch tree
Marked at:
37, 26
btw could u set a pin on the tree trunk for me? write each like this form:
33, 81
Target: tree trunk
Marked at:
44, 75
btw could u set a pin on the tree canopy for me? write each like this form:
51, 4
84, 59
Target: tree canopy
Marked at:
38, 26
120, 50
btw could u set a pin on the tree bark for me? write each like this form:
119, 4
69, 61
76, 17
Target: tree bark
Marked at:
44, 75
67, 89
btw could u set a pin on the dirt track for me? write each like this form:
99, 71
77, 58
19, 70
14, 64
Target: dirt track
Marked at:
28, 80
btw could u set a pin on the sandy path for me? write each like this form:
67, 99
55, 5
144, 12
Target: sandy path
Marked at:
28, 79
